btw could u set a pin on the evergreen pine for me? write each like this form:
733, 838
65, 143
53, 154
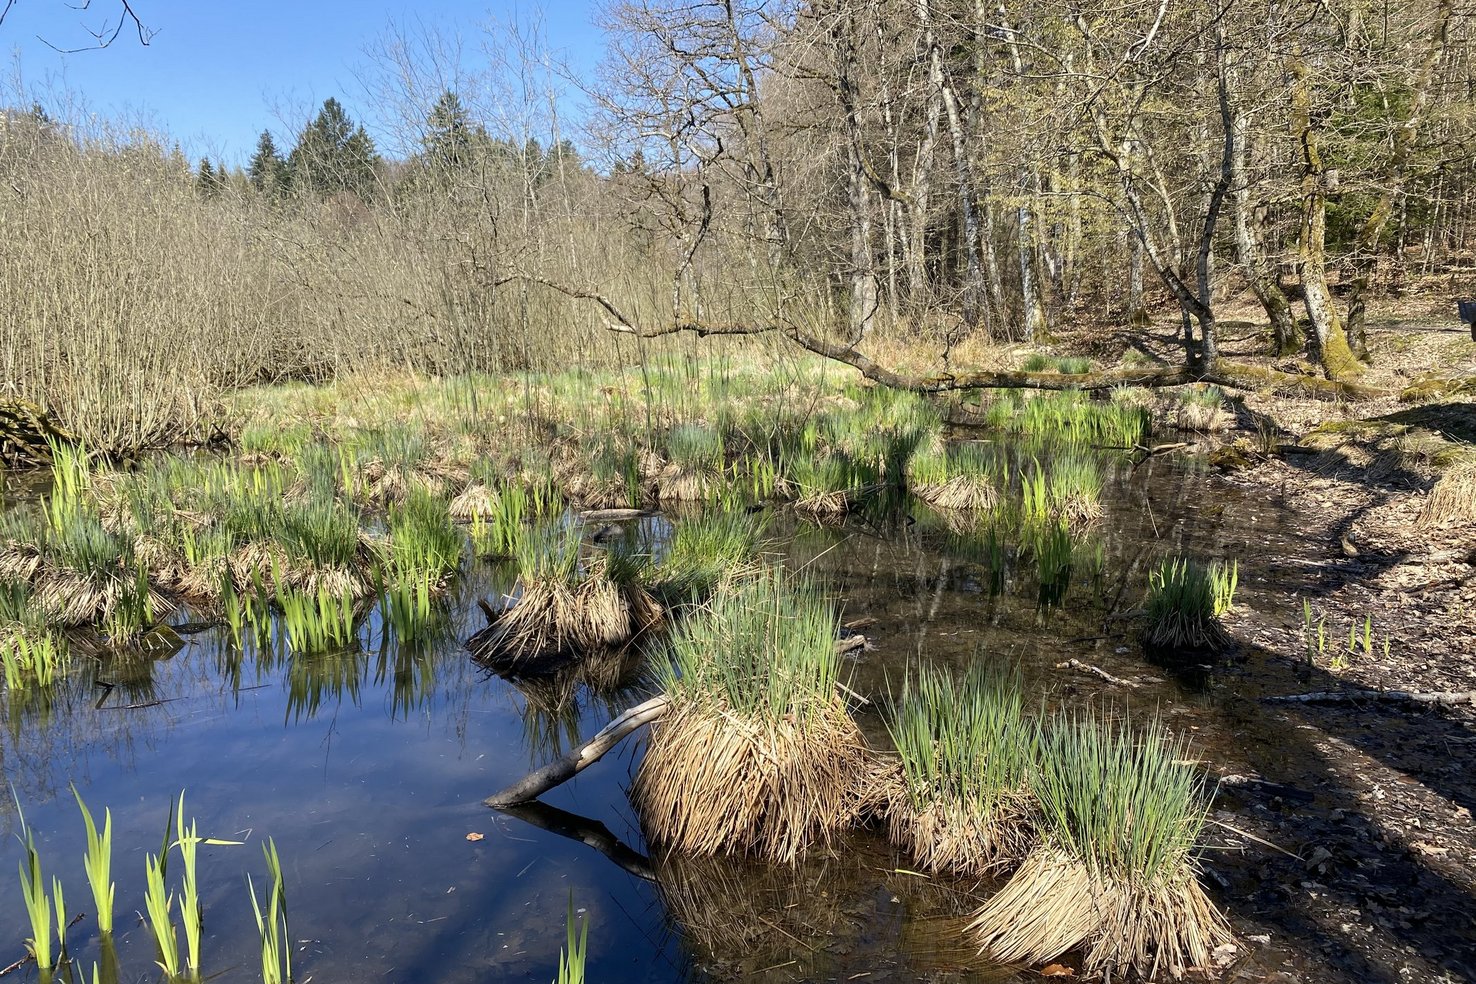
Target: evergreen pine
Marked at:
205, 179
268, 171
333, 155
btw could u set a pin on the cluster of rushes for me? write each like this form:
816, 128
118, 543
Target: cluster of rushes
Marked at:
301, 534
162, 903
1094, 819
1186, 600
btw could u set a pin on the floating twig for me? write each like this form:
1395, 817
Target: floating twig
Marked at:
1096, 671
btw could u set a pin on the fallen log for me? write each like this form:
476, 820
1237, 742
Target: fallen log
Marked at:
1377, 696
560, 771
615, 515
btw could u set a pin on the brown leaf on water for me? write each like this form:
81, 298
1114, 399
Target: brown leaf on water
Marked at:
474, 836
1057, 970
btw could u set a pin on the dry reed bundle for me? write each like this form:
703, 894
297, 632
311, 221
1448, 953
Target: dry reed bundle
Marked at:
832, 504
1453, 498
476, 501
959, 492
1202, 417
19, 561
71, 598
613, 608
388, 482
714, 781
1115, 870
683, 483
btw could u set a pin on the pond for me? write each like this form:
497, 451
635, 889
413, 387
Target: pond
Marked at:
368, 768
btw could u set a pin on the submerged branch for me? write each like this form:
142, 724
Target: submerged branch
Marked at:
560, 771
589, 832
1377, 696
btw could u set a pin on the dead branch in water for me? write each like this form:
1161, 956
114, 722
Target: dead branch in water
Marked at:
1096, 671
560, 771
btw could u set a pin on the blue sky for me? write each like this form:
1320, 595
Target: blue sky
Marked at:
217, 73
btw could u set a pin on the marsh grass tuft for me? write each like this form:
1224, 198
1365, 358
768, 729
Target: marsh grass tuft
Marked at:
1120, 815
1185, 601
704, 551
566, 604
759, 752
965, 747
1453, 497
317, 622
965, 476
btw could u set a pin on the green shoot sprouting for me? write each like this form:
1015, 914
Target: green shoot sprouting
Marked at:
271, 923
38, 903
576, 949
98, 863
158, 902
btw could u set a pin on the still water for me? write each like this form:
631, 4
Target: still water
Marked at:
368, 770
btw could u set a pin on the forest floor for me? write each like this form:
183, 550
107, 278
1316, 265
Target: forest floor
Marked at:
1375, 793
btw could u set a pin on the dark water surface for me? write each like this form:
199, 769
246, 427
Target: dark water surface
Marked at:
368, 770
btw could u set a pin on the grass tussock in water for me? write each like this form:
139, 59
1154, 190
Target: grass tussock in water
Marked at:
759, 753
1115, 870
31, 654
1185, 602
695, 461
566, 604
965, 748
961, 477
719, 546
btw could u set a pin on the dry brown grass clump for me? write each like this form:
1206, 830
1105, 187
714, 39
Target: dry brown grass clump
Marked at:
959, 492
565, 606
476, 501
1453, 497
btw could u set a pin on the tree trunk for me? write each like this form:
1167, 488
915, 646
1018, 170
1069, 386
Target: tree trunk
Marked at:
1366, 247
864, 293
1330, 344
1286, 337
1137, 312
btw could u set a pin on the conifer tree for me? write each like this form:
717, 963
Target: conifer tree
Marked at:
268, 170
333, 154
205, 179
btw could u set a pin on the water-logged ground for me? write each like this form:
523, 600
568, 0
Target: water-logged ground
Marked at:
369, 769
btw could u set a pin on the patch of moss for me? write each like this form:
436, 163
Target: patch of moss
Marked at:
1238, 455
1435, 388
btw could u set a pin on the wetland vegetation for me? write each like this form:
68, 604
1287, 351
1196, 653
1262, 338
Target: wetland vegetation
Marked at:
977, 610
